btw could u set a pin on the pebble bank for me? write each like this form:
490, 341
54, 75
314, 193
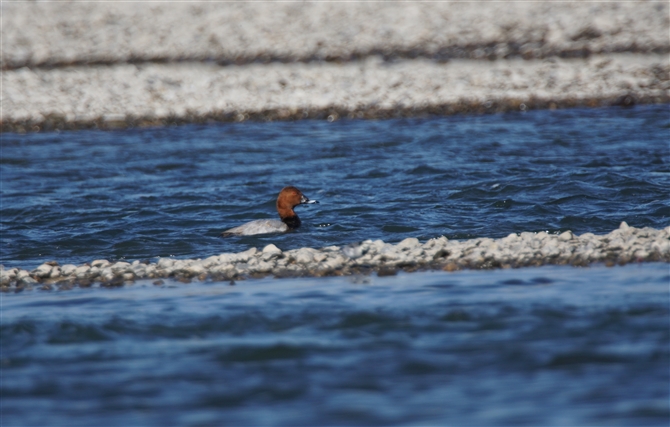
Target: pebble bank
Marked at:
621, 246
70, 65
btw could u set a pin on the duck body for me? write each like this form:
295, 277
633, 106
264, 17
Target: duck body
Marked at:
289, 197
260, 226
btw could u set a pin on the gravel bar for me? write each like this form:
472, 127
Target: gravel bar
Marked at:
70, 65
53, 34
621, 246
160, 94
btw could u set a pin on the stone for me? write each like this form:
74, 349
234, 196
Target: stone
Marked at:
408, 243
246, 255
68, 269
354, 250
81, 271
270, 252
528, 249
304, 256
120, 267
195, 269
43, 270
334, 262
165, 263
210, 261
21, 274
100, 263
55, 272
106, 274
6, 277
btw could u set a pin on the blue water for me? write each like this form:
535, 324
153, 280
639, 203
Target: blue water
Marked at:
537, 346
138, 194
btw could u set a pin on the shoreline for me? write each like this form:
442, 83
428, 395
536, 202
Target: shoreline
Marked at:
54, 122
60, 123
125, 95
38, 34
621, 246
73, 65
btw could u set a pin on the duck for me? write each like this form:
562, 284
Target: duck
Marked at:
288, 198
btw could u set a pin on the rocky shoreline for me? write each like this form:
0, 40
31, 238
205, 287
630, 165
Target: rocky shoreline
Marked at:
621, 246
73, 65
60, 34
155, 95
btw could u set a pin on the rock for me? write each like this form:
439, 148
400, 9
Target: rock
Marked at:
227, 258
264, 267
223, 269
121, 267
195, 269
271, 249
100, 263
6, 277
149, 271
106, 274
304, 256
354, 250
21, 274
246, 255
81, 271
527, 236
213, 260
438, 242
408, 243
566, 236
270, 252
140, 272
93, 272
43, 270
67, 269
165, 263
334, 262
621, 246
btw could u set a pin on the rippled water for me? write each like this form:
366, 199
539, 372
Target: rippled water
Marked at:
537, 346
136, 194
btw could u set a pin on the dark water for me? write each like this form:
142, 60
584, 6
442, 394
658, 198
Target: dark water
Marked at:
540, 346
136, 194
547, 346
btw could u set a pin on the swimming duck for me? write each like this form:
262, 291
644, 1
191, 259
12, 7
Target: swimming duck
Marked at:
289, 197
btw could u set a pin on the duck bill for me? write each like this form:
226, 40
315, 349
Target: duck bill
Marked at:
304, 200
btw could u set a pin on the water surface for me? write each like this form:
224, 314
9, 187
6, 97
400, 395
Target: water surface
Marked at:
143, 193
537, 346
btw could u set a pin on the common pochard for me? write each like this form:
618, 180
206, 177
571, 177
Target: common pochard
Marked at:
289, 198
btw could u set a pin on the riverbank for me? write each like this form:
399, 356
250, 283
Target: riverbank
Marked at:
162, 94
621, 246
95, 66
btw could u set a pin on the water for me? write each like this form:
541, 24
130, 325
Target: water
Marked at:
536, 346
139, 194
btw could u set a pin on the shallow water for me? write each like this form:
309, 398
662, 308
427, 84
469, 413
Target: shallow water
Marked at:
536, 346
139, 194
